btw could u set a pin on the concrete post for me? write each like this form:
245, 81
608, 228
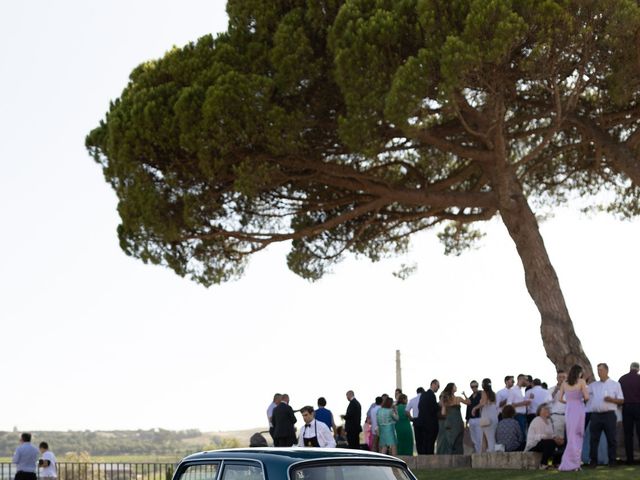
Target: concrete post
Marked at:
398, 371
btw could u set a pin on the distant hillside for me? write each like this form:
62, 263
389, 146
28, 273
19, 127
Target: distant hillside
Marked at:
130, 442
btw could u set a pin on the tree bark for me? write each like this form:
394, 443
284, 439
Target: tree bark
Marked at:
559, 338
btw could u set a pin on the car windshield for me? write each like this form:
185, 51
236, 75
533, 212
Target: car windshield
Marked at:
350, 472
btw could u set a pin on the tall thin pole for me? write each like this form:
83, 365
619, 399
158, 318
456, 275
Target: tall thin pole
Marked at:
398, 371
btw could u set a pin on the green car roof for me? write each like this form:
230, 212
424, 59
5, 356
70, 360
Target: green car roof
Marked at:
277, 460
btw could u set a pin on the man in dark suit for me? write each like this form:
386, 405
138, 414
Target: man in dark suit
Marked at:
630, 384
353, 421
284, 432
428, 419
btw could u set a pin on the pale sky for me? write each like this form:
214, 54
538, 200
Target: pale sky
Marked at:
93, 339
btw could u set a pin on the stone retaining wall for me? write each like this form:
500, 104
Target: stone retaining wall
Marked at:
507, 460
495, 460
428, 462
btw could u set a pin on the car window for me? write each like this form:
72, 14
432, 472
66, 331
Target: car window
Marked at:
242, 472
200, 472
350, 472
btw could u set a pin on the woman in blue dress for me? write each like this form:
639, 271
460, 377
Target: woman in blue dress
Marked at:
387, 417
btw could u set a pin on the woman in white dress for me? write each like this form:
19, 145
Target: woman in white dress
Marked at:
488, 416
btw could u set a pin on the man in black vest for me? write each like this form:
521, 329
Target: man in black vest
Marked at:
284, 432
428, 418
353, 421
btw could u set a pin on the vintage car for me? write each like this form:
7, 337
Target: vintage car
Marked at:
291, 464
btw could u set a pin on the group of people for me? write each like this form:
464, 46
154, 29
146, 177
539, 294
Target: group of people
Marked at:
319, 429
388, 425
525, 415
528, 416
28, 459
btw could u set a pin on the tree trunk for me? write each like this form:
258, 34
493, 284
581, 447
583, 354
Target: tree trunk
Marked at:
558, 335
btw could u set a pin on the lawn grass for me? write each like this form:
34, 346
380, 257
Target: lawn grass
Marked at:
600, 473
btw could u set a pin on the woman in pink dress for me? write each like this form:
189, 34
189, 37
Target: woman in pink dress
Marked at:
574, 393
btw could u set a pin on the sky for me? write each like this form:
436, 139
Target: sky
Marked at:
93, 339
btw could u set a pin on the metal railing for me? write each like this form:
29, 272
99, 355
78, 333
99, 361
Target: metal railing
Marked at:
102, 471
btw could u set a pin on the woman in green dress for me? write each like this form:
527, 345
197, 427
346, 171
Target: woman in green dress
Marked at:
387, 417
451, 426
404, 431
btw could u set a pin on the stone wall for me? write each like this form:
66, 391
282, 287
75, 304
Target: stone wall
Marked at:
496, 460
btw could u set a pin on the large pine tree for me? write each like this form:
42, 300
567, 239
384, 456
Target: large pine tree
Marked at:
347, 126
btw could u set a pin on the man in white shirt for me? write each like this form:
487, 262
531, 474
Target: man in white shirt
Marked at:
602, 441
538, 396
557, 406
314, 433
47, 463
413, 411
412, 405
606, 396
516, 400
503, 395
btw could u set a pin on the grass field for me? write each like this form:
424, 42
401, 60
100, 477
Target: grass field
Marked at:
600, 473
